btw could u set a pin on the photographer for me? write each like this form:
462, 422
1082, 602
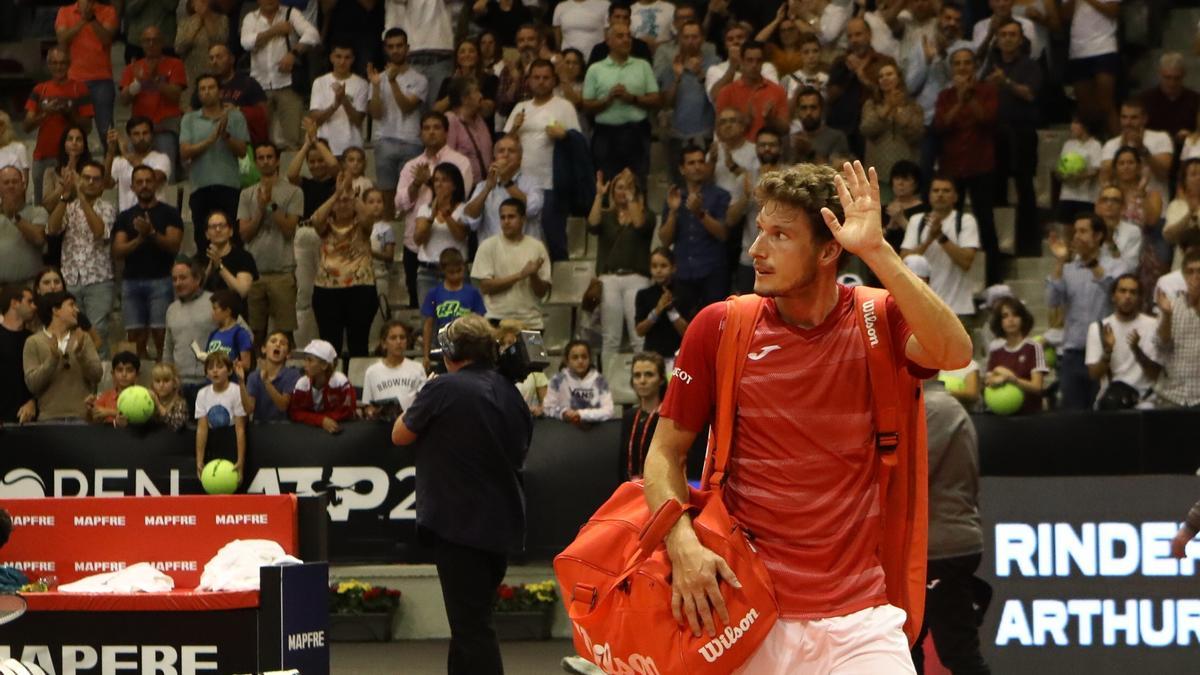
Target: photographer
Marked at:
469, 468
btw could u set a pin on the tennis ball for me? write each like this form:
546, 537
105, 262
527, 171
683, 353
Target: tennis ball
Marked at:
136, 404
1048, 351
1005, 399
1071, 164
953, 383
219, 477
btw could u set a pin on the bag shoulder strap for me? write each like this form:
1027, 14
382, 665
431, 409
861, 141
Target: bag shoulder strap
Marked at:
741, 317
870, 306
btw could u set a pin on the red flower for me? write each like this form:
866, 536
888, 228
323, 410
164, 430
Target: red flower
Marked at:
372, 593
506, 592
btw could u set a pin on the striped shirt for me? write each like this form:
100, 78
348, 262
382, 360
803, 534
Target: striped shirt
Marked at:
802, 472
1180, 380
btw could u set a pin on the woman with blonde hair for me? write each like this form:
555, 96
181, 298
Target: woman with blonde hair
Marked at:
344, 299
892, 124
625, 226
12, 150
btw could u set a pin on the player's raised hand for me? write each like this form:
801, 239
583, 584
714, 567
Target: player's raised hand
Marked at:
861, 229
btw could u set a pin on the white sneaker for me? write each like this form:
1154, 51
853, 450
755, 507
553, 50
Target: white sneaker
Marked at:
580, 666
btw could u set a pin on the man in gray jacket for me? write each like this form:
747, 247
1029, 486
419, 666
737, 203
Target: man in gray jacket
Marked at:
955, 535
189, 320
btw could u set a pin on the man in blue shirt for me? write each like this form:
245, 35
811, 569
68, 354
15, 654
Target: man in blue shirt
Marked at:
695, 226
504, 180
1083, 288
682, 83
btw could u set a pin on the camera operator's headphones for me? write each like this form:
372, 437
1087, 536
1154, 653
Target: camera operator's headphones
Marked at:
446, 343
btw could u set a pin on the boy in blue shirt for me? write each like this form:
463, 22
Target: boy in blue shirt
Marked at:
268, 391
453, 298
230, 337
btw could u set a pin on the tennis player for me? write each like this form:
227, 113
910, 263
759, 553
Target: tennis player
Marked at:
802, 471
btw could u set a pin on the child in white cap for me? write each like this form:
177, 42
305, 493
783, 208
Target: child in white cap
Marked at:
324, 397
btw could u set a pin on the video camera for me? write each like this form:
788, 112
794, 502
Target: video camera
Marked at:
527, 354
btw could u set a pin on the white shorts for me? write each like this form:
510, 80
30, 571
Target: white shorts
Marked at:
868, 642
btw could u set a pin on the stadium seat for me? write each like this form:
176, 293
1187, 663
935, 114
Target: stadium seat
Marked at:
577, 238
570, 279
1005, 218
357, 370
616, 371
558, 325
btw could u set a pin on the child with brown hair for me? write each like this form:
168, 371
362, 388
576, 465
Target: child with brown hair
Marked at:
219, 405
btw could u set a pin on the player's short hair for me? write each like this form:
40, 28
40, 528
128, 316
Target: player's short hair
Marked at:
805, 187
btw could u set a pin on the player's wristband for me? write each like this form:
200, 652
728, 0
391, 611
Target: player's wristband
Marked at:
653, 315
673, 315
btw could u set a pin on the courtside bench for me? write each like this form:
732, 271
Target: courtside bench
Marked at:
183, 631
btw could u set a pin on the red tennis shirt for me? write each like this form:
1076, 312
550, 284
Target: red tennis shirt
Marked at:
802, 472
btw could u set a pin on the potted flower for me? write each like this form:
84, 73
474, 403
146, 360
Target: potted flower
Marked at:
361, 612
525, 611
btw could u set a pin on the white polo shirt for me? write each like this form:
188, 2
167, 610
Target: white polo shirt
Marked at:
948, 280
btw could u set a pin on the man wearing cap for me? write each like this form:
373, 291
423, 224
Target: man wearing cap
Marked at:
469, 468
324, 396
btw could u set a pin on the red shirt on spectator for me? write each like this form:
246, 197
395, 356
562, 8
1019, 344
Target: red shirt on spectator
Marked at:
752, 101
70, 94
337, 401
150, 101
967, 138
89, 55
802, 472
107, 399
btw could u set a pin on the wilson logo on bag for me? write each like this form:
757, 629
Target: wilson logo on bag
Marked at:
603, 657
716, 647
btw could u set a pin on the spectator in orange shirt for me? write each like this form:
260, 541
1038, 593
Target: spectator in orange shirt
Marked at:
763, 102
102, 409
52, 107
86, 30
153, 85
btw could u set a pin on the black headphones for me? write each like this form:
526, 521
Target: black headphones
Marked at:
445, 343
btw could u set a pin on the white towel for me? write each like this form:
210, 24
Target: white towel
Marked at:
137, 578
235, 567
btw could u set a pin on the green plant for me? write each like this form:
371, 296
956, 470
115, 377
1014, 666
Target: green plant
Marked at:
526, 597
358, 597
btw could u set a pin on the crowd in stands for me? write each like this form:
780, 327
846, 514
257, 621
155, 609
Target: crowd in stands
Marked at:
455, 139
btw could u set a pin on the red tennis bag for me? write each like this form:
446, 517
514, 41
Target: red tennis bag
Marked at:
616, 576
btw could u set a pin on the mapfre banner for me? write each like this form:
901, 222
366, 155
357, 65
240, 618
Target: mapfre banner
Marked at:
74, 538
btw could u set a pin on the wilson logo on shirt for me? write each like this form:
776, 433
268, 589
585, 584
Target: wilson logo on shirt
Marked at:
758, 355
